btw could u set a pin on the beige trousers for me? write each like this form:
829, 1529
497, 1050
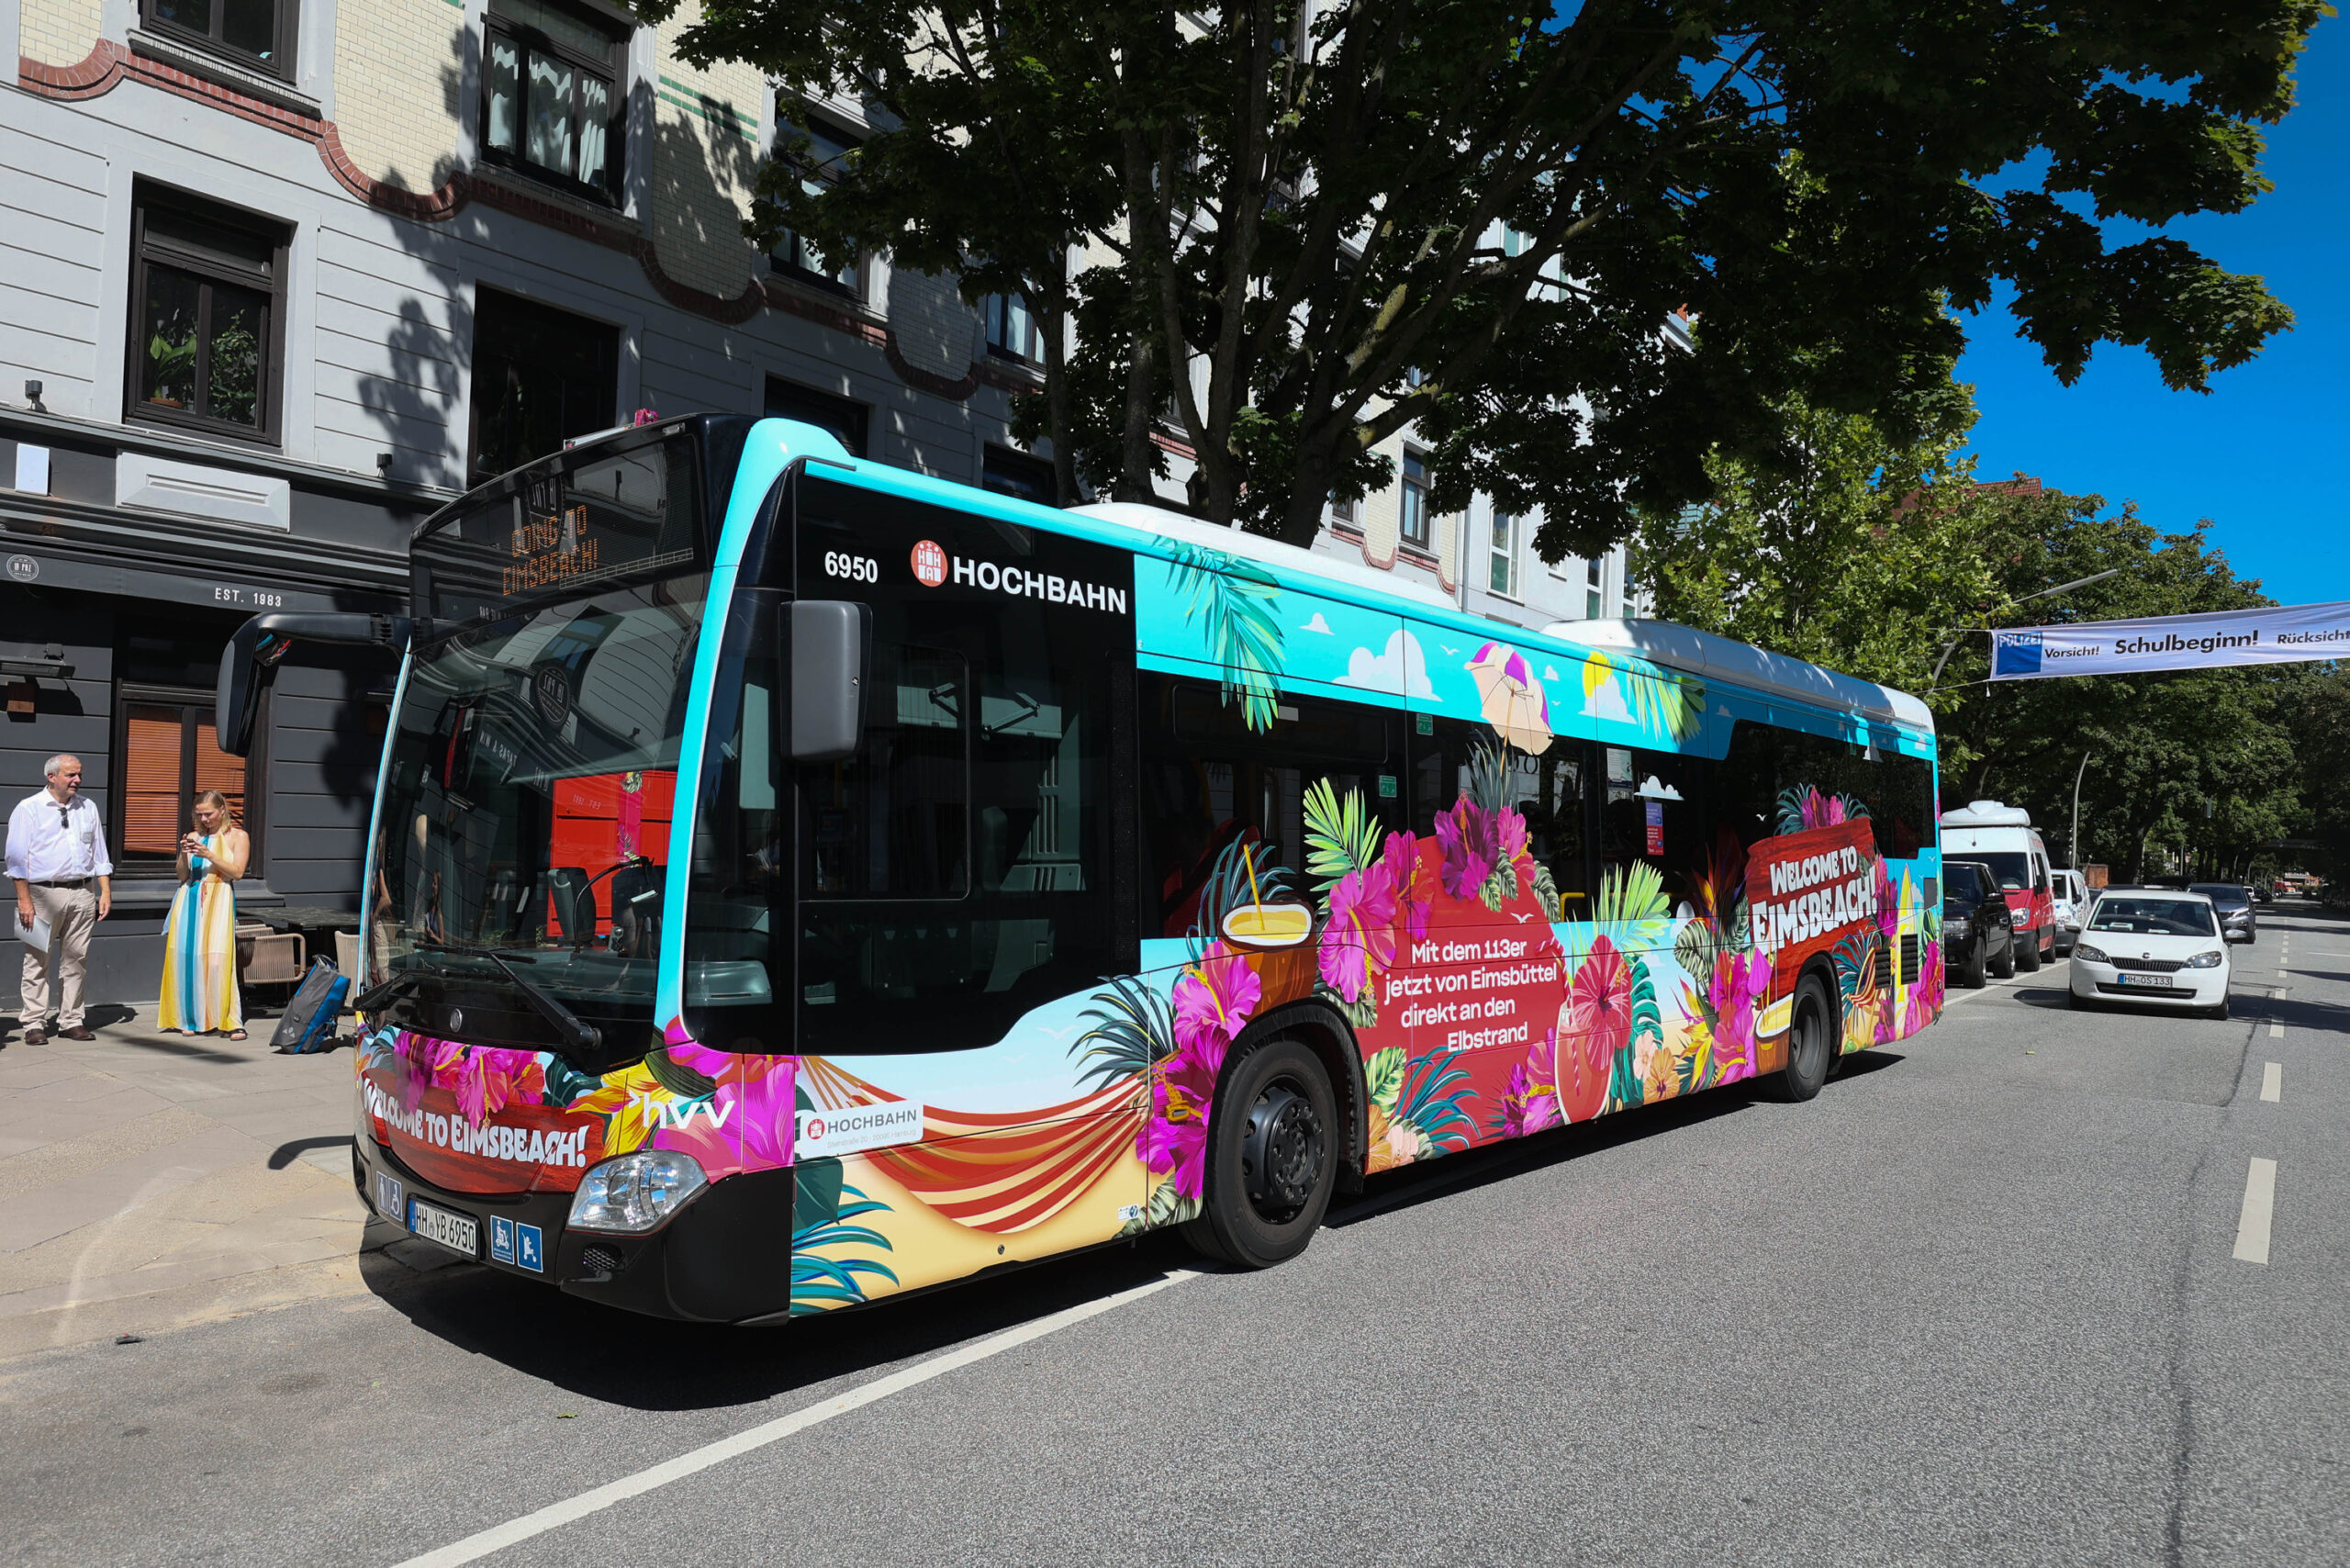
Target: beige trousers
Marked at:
72, 915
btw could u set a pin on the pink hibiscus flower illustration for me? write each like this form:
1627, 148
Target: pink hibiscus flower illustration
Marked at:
1215, 998
1175, 1140
1411, 882
1360, 938
1530, 1103
1596, 1023
1736, 986
1469, 849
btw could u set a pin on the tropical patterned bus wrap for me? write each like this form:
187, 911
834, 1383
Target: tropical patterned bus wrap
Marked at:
1486, 1003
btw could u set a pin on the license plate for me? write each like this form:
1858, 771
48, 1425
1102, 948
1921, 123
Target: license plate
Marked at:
2150, 983
459, 1233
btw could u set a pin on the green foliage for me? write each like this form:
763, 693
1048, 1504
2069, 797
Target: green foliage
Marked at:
1632, 891
1243, 627
1500, 886
1362, 1012
1855, 960
1383, 1078
1168, 1206
1695, 949
1545, 892
1488, 776
565, 1082
1341, 835
1472, 222
1431, 1103
1646, 1017
685, 1082
818, 1282
1624, 1086
1130, 1026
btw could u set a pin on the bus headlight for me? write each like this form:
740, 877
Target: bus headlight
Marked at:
636, 1192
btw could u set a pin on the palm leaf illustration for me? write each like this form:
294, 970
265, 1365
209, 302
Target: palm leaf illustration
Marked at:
1623, 1081
1341, 835
1632, 893
834, 1281
1665, 704
1132, 1025
1646, 1018
1235, 602
1434, 1113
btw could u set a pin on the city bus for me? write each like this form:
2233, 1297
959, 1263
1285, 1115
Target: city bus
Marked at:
794, 881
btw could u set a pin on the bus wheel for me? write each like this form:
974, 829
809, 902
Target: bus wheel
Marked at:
1812, 1044
1272, 1157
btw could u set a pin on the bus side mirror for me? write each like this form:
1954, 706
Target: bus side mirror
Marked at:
262, 641
831, 644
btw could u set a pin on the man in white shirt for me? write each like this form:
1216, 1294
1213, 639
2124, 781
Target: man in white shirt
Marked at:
57, 854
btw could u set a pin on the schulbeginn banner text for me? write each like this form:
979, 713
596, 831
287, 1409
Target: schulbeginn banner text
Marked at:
2278, 634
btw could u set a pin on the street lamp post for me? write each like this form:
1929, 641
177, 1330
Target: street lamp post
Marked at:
2072, 846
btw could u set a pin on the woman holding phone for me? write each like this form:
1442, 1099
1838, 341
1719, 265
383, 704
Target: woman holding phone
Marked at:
200, 935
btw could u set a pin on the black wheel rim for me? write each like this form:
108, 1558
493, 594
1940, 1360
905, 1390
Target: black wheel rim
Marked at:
1281, 1152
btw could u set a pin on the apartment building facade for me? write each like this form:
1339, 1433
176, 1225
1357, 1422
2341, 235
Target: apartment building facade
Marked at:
280, 277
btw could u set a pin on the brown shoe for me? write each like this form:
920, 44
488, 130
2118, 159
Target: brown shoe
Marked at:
75, 1033
35, 1037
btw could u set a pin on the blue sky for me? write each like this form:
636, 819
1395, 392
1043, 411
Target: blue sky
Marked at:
2261, 453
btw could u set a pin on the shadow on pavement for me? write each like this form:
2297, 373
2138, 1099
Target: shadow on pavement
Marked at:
646, 1363
597, 1351
2057, 997
286, 1154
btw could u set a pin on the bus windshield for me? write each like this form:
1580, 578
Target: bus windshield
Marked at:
526, 808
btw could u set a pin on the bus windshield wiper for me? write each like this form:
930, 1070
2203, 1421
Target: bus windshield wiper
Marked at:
576, 1031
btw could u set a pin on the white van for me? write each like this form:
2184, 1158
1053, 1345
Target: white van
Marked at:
2003, 839
2072, 906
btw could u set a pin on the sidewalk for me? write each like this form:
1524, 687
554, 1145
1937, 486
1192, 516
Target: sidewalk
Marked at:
150, 1179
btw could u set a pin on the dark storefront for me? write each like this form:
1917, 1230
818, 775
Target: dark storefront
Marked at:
119, 585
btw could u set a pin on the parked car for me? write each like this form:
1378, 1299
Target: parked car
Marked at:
2152, 948
2071, 893
2237, 919
1978, 935
2002, 837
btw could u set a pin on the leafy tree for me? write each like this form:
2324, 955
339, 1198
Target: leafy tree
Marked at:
1295, 230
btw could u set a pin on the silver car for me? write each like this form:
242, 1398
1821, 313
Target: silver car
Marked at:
2237, 917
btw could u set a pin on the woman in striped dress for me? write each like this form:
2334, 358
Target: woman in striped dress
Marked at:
200, 936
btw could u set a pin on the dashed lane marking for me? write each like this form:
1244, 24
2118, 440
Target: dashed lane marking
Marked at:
476, 1547
2272, 1080
2260, 1207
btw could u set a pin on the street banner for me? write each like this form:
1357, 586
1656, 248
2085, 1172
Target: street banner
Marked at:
2278, 634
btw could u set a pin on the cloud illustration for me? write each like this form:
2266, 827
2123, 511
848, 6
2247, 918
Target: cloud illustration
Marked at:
1317, 625
1606, 701
1551, 672
1401, 666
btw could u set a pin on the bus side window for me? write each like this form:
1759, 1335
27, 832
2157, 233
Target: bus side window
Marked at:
1213, 787
1449, 756
1652, 814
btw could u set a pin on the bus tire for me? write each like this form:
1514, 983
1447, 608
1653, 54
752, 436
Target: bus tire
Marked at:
1272, 1156
1812, 1035
2027, 956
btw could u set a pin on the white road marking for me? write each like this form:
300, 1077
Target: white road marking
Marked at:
2272, 1080
476, 1547
2259, 1206
2276, 1031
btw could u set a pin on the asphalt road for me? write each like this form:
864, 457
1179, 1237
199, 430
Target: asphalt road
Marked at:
1980, 1302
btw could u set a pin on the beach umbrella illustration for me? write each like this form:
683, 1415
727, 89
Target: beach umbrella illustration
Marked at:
1511, 699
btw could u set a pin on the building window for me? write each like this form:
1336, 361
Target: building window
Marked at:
166, 753
820, 152
551, 98
205, 287
1013, 333
1412, 524
1009, 473
850, 421
1595, 587
1347, 515
541, 377
256, 31
1501, 570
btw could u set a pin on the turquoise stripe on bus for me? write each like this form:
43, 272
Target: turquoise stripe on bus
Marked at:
772, 447
373, 863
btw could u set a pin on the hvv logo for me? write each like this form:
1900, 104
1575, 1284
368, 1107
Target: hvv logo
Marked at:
664, 1112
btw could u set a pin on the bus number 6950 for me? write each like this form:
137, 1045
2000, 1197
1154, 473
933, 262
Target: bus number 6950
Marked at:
855, 569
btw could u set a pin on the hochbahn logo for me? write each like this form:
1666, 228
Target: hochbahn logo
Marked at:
933, 568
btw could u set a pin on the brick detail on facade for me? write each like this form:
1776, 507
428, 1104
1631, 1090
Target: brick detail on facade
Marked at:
58, 32
398, 76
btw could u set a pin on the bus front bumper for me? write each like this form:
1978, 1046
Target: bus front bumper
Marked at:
726, 1257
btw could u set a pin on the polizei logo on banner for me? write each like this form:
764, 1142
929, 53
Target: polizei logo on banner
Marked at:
857, 1127
2271, 634
1806, 889
932, 569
